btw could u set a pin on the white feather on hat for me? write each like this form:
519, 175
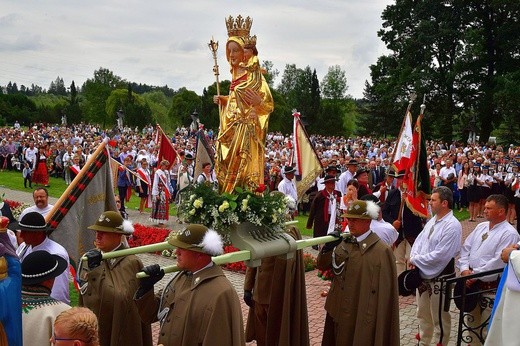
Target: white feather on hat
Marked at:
373, 210
127, 227
212, 243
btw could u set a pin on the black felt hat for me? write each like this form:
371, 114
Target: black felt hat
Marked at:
409, 281
328, 178
471, 298
32, 222
40, 265
288, 169
331, 168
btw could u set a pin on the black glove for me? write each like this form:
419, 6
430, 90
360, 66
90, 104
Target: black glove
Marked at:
94, 258
155, 274
331, 245
248, 298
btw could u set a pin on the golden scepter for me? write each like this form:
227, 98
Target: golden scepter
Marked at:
213, 46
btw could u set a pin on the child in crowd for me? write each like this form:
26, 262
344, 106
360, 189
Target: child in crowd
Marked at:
27, 174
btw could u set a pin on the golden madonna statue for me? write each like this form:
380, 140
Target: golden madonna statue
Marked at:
244, 113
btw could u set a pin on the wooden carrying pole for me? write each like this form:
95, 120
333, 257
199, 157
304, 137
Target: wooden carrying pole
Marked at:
245, 255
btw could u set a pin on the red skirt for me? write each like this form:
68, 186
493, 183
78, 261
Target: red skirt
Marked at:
41, 175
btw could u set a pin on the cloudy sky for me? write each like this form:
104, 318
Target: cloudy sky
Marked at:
165, 42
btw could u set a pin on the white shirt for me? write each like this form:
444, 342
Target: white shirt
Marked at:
42, 211
445, 171
482, 249
344, 178
439, 242
288, 188
30, 155
385, 231
60, 290
162, 176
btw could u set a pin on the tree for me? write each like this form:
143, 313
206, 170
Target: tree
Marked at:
271, 73
95, 93
57, 87
136, 111
300, 89
73, 110
451, 51
184, 103
334, 84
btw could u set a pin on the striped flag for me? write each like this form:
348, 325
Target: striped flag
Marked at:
307, 164
89, 195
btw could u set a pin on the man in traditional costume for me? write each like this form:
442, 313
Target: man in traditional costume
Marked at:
34, 232
244, 117
481, 252
107, 286
199, 306
39, 309
324, 213
362, 304
433, 252
275, 294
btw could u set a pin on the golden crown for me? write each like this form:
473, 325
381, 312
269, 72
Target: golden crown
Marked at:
238, 26
250, 41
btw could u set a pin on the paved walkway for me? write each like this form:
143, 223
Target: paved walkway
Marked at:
314, 285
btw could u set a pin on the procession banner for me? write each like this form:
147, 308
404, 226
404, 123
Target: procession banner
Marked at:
166, 149
307, 163
204, 154
403, 146
417, 179
86, 198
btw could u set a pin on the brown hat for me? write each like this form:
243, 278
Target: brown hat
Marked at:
199, 238
359, 209
112, 221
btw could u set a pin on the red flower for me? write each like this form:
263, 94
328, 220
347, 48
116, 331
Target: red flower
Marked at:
237, 266
144, 235
261, 188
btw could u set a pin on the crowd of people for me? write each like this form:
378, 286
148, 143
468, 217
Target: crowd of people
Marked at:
357, 175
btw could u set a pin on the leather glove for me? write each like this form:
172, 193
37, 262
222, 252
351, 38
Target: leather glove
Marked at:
155, 274
248, 298
331, 245
94, 258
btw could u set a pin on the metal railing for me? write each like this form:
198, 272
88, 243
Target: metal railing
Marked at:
468, 334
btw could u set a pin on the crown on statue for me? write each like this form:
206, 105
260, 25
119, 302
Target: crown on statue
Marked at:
239, 26
250, 41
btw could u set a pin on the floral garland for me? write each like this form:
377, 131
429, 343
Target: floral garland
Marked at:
200, 203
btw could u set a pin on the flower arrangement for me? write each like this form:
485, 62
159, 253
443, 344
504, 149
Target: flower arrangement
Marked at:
237, 266
145, 235
202, 204
309, 262
326, 275
16, 207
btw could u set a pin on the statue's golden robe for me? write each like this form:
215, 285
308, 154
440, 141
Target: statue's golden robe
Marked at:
242, 133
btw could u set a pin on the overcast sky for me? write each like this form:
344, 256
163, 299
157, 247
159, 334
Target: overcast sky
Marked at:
165, 42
